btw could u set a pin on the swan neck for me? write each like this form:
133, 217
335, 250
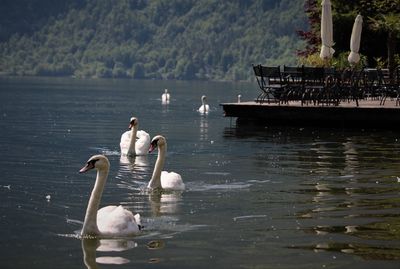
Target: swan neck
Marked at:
90, 222
155, 181
132, 142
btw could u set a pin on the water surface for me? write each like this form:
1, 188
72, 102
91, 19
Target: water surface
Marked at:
256, 197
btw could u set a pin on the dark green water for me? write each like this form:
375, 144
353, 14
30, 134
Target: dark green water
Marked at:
256, 197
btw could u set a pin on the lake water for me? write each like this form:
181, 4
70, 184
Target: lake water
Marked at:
256, 196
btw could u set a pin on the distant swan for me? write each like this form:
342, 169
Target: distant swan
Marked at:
162, 179
134, 142
109, 221
204, 108
165, 97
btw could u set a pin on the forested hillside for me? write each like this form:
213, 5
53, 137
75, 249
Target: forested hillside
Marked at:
160, 39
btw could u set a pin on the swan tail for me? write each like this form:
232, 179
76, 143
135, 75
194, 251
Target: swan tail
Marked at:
172, 181
138, 221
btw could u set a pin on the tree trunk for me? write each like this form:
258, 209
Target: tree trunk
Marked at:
391, 47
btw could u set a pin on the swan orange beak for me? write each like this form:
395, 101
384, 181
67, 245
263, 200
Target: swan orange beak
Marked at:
87, 167
130, 126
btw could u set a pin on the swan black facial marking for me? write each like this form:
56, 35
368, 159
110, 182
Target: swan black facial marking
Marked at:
92, 162
154, 143
89, 165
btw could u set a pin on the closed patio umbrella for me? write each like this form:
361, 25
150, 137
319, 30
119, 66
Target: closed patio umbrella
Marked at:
354, 56
326, 31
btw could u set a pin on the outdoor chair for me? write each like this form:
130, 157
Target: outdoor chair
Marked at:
313, 84
349, 85
331, 92
293, 77
370, 83
389, 85
397, 85
270, 82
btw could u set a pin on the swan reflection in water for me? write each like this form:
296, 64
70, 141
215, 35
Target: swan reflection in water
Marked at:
164, 202
203, 129
138, 163
138, 166
91, 246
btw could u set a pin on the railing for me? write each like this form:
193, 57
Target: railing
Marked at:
327, 86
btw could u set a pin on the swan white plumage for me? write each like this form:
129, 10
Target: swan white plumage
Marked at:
162, 179
109, 221
204, 108
134, 142
165, 97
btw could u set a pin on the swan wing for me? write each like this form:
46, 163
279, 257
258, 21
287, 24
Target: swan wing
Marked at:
204, 109
142, 143
172, 181
138, 219
125, 140
116, 221
165, 97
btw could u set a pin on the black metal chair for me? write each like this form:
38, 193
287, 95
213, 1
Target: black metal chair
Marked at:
270, 82
293, 77
397, 85
331, 92
351, 85
389, 85
372, 82
313, 84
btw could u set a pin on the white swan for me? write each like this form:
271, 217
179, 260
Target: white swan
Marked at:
165, 97
109, 221
204, 108
134, 142
162, 179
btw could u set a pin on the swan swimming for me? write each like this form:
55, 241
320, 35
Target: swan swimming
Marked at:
204, 108
134, 142
165, 97
109, 221
162, 179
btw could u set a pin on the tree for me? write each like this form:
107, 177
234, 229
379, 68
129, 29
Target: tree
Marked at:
311, 37
381, 20
390, 24
164, 39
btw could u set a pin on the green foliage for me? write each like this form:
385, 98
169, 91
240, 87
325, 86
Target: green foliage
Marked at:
380, 34
340, 61
312, 60
161, 39
380, 62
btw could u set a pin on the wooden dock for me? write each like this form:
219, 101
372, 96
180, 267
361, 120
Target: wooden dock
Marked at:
369, 114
